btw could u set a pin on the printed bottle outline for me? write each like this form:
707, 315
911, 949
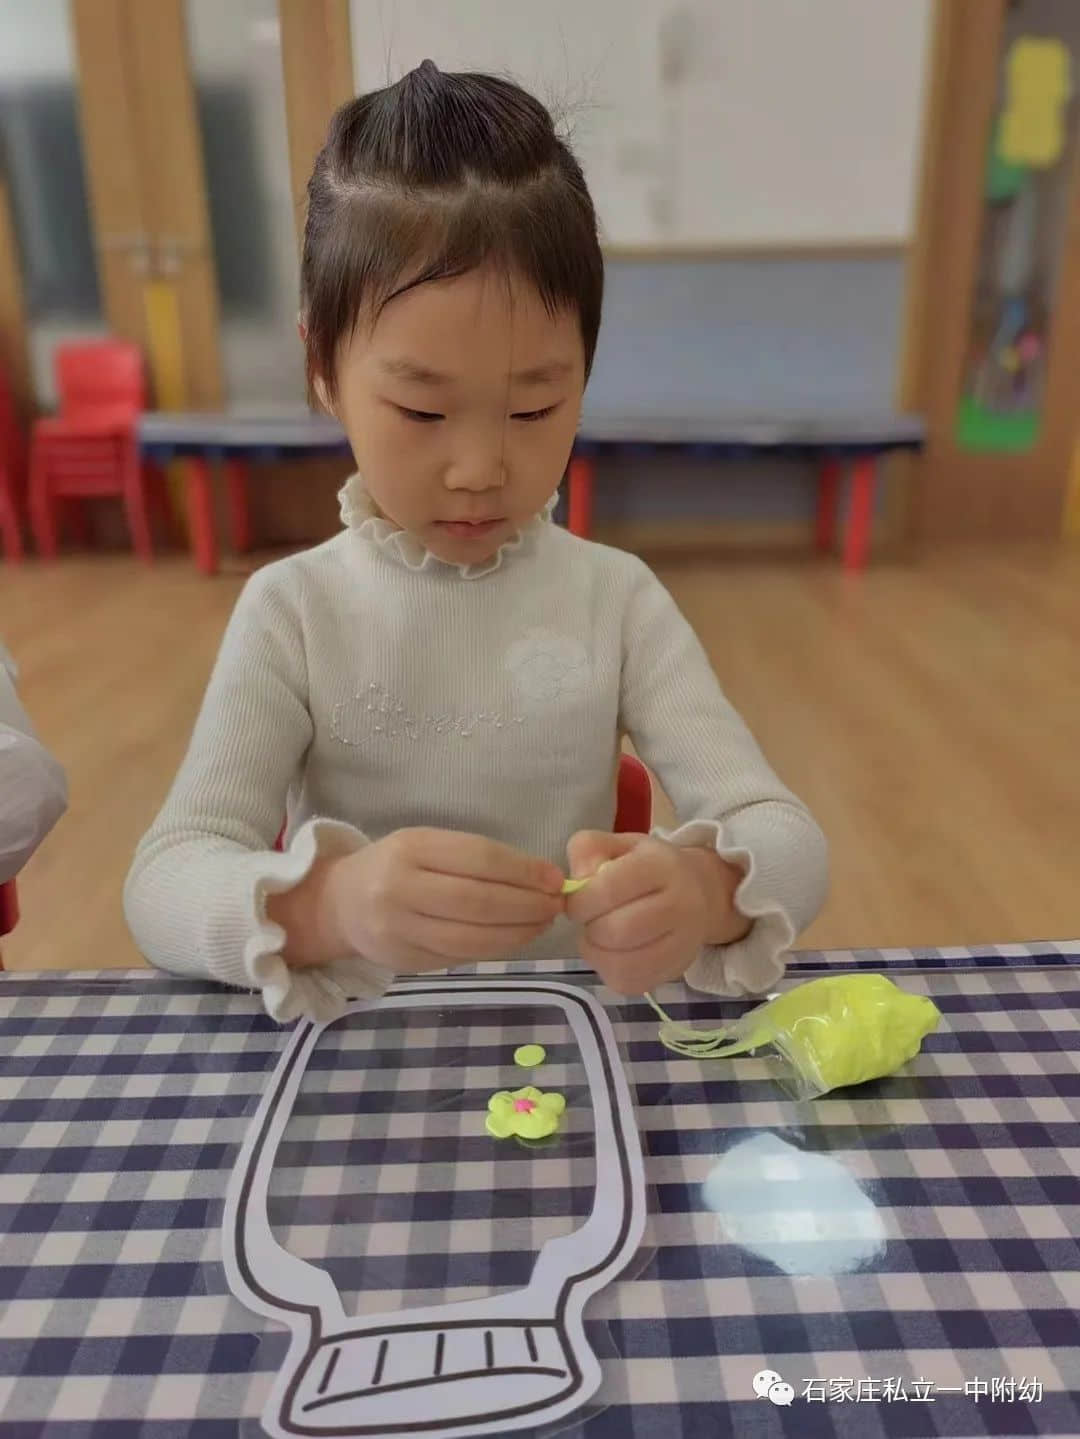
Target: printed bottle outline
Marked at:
430, 1371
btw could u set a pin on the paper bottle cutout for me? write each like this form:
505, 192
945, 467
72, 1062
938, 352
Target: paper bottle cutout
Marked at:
1037, 85
506, 1362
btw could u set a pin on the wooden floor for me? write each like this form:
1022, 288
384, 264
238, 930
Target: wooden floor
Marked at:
930, 717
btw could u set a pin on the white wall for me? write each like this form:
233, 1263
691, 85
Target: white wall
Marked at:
700, 122
35, 39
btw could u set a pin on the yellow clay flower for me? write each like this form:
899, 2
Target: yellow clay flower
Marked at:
526, 1113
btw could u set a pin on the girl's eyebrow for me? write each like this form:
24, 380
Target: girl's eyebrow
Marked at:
540, 374
406, 369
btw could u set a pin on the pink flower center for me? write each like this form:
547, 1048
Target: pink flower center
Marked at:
524, 1106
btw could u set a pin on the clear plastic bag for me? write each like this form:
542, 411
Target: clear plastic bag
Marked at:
831, 1032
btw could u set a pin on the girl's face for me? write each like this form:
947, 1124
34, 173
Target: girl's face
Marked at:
461, 406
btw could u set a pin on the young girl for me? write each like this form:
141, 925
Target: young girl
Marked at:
435, 697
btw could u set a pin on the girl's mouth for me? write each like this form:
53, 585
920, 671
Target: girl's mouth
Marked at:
465, 530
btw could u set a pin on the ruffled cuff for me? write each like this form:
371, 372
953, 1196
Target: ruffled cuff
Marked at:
321, 993
752, 964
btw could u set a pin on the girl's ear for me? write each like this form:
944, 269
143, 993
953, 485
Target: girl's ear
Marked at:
318, 385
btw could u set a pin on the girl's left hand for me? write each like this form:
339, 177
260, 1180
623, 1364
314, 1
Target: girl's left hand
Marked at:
643, 919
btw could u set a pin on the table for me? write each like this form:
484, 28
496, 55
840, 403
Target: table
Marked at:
235, 440
830, 440
238, 438
124, 1098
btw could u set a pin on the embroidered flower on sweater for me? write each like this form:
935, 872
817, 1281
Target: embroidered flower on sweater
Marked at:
545, 666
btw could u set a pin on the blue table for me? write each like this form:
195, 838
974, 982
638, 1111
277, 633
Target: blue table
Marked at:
831, 441
931, 1286
234, 440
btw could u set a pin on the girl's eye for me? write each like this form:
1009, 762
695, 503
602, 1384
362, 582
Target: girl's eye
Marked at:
428, 417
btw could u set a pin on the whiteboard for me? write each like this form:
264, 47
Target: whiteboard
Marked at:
700, 124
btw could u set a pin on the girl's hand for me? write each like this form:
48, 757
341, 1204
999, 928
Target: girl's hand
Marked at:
424, 899
646, 917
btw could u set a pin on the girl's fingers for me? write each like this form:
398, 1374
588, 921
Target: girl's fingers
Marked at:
635, 926
463, 942
622, 884
474, 856
475, 901
637, 971
589, 848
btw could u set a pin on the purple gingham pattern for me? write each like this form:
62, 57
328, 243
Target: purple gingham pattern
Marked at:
124, 1098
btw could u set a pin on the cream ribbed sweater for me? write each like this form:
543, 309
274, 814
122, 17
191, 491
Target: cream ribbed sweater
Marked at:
365, 686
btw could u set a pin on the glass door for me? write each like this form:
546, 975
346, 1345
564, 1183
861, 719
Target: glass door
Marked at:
49, 287
267, 75
146, 192
236, 68
153, 163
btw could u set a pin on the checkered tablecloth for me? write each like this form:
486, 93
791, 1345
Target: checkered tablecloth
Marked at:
929, 1287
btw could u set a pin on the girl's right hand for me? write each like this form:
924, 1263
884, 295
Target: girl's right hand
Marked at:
424, 899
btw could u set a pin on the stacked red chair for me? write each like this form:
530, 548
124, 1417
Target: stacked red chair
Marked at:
90, 449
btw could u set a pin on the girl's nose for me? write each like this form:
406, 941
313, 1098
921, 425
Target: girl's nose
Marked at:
479, 469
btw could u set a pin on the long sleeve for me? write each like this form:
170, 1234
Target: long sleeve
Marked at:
724, 792
33, 786
195, 898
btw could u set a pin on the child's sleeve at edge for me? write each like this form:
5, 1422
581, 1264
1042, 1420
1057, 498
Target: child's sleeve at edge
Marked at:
195, 897
32, 781
725, 794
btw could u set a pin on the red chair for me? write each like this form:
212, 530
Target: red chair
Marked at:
89, 450
9, 910
633, 799
9, 907
12, 475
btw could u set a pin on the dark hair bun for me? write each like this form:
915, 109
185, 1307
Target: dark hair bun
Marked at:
436, 175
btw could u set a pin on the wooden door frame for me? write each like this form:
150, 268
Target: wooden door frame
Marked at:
148, 202
960, 495
145, 168
185, 337
316, 61
107, 119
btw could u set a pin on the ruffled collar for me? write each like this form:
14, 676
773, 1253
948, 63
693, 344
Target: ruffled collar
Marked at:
358, 514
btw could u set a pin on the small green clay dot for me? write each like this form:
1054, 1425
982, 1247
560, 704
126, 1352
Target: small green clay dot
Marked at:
530, 1055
